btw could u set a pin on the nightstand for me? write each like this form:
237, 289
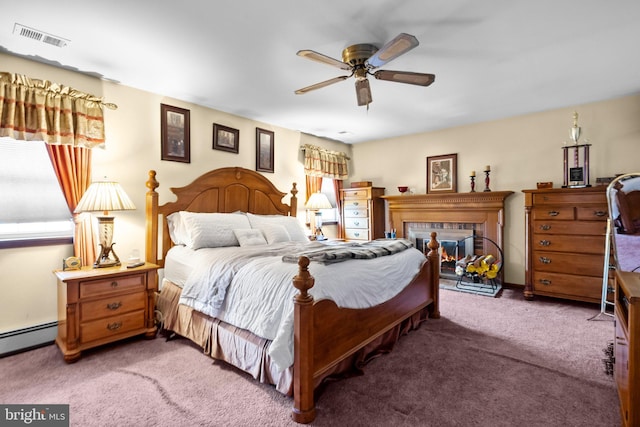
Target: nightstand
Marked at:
97, 306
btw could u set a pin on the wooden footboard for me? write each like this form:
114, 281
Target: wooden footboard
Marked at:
325, 334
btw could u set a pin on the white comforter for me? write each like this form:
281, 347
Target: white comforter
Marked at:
251, 288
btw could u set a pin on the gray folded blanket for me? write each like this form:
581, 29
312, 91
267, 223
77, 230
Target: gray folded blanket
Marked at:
333, 253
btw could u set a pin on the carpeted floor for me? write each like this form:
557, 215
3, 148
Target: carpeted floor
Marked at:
497, 361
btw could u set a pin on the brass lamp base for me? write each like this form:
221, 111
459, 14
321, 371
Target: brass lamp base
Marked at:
104, 260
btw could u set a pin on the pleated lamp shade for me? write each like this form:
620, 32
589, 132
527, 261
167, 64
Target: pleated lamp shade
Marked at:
104, 196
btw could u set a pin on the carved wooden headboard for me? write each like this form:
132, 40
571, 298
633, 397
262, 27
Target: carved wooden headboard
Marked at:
221, 190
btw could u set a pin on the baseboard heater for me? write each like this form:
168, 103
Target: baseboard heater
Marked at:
20, 340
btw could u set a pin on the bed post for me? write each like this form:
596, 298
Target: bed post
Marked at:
293, 203
151, 213
304, 410
434, 259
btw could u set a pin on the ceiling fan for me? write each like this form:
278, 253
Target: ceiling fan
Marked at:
362, 59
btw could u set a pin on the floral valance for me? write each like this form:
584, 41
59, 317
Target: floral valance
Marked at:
325, 163
39, 110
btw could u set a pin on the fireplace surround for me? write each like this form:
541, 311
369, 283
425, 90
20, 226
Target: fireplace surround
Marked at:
478, 214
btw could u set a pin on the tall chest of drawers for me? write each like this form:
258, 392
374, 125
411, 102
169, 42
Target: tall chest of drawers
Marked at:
362, 213
565, 237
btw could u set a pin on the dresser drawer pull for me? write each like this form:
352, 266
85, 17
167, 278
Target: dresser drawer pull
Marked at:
545, 227
114, 284
545, 260
114, 326
546, 282
356, 213
356, 204
356, 234
544, 243
114, 305
600, 213
553, 213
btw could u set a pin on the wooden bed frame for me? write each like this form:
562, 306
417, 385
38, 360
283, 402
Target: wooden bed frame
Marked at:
324, 334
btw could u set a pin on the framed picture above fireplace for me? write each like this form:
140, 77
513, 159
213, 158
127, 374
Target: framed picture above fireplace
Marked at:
442, 174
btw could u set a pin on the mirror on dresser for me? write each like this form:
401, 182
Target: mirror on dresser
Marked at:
623, 196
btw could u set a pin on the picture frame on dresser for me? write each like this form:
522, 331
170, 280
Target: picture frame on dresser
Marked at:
175, 134
226, 138
442, 172
264, 150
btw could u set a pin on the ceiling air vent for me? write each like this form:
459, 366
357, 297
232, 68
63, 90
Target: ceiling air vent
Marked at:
40, 36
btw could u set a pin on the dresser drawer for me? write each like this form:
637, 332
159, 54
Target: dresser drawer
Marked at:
558, 262
356, 204
111, 326
356, 234
557, 213
112, 306
356, 222
112, 285
562, 243
357, 193
592, 228
592, 213
567, 284
356, 213
568, 198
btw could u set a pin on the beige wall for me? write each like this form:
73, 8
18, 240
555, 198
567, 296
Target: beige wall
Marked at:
132, 149
521, 151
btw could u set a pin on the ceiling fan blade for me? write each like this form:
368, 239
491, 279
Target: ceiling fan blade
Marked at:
402, 43
321, 84
420, 79
319, 57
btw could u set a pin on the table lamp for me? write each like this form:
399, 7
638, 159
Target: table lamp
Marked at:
316, 202
105, 196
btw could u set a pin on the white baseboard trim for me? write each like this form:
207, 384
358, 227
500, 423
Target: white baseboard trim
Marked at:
27, 338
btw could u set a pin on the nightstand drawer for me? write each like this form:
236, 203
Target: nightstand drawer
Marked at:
112, 306
112, 285
105, 328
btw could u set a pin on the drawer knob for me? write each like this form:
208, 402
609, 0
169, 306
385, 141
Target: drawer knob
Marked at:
114, 326
546, 282
356, 222
356, 234
114, 284
545, 227
544, 243
356, 204
545, 260
600, 213
114, 305
356, 213
553, 213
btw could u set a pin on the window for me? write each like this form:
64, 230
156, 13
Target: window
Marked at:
33, 209
329, 215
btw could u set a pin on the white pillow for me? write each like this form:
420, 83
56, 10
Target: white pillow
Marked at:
250, 237
290, 223
212, 230
177, 232
275, 233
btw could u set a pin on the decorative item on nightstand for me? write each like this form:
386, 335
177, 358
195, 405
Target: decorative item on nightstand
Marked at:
316, 202
105, 196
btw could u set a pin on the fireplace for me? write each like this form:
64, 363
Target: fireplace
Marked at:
454, 217
456, 241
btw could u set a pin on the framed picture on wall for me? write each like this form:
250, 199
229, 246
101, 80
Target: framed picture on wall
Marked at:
175, 134
226, 138
264, 150
442, 174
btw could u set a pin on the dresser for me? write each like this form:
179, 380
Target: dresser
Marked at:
97, 306
565, 236
362, 213
627, 345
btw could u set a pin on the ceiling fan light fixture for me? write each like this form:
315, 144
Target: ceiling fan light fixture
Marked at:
363, 92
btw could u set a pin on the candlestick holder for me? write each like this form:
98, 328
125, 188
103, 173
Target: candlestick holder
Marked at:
473, 183
486, 181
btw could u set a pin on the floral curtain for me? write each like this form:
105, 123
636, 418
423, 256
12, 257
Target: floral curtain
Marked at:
325, 163
39, 110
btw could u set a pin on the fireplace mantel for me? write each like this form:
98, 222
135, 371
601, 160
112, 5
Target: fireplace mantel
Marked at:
485, 208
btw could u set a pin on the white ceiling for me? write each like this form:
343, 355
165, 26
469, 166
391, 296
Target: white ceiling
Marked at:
492, 58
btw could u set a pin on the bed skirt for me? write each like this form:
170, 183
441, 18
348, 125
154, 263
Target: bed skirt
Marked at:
248, 352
